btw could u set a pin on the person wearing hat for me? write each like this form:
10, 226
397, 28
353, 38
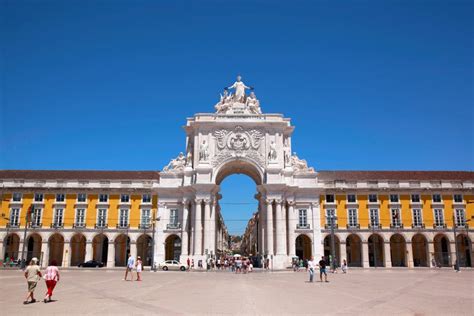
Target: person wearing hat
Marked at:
139, 268
32, 275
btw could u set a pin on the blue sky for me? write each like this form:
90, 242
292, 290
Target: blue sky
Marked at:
107, 85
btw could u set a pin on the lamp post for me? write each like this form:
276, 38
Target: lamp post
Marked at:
332, 218
456, 263
153, 265
8, 226
27, 219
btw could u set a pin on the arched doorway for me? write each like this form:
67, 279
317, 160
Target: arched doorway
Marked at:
12, 247
172, 248
376, 247
442, 252
327, 249
354, 251
419, 246
144, 250
100, 248
56, 248
398, 250
464, 250
122, 249
33, 247
78, 249
303, 247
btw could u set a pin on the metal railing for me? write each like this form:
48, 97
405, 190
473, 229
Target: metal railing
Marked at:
173, 226
356, 226
300, 226
122, 226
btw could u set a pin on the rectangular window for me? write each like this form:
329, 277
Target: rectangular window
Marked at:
174, 216
439, 217
38, 197
58, 217
353, 222
417, 220
393, 198
302, 218
36, 218
329, 198
146, 218
80, 217
59, 197
101, 217
330, 217
436, 198
81, 197
460, 217
415, 198
373, 198
146, 198
351, 198
16, 197
457, 198
103, 198
125, 198
396, 220
15, 217
374, 217
123, 218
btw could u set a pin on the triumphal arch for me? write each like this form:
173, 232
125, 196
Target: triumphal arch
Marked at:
238, 138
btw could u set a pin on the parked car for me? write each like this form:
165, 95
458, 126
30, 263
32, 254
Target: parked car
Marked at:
91, 264
172, 265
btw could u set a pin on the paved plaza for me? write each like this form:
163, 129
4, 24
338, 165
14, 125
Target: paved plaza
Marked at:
368, 292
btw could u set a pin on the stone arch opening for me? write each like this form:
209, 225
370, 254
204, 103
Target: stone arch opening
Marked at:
327, 249
78, 249
144, 249
303, 247
354, 251
376, 248
239, 166
12, 247
398, 250
172, 247
100, 247
33, 247
122, 250
464, 250
419, 245
56, 248
442, 252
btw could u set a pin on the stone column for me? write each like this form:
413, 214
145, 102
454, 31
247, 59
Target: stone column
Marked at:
111, 254
67, 254
365, 254
2, 253
269, 226
343, 253
212, 229
409, 255
20, 249
262, 225
184, 230
292, 221
45, 253
133, 249
198, 228
387, 255
431, 251
452, 251
280, 237
89, 251
207, 226
192, 224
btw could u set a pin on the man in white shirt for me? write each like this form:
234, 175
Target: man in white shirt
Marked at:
311, 267
130, 265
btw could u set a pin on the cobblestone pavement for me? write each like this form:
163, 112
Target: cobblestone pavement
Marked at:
360, 292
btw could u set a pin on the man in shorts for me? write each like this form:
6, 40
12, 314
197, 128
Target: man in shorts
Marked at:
322, 270
32, 275
130, 265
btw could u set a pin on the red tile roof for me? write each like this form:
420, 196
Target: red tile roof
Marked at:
81, 175
396, 175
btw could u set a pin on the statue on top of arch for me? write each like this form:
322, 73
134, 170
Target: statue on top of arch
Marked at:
239, 102
300, 165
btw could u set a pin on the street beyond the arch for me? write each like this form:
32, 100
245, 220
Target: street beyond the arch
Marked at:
367, 292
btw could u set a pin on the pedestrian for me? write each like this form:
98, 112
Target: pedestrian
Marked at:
32, 276
139, 266
188, 263
322, 270
334, 265
129, 268
344, 266
192, 264
51, 276
310, 268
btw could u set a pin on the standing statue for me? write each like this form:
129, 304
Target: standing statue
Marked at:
239, 87
272, 155
287, 151
203, 151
